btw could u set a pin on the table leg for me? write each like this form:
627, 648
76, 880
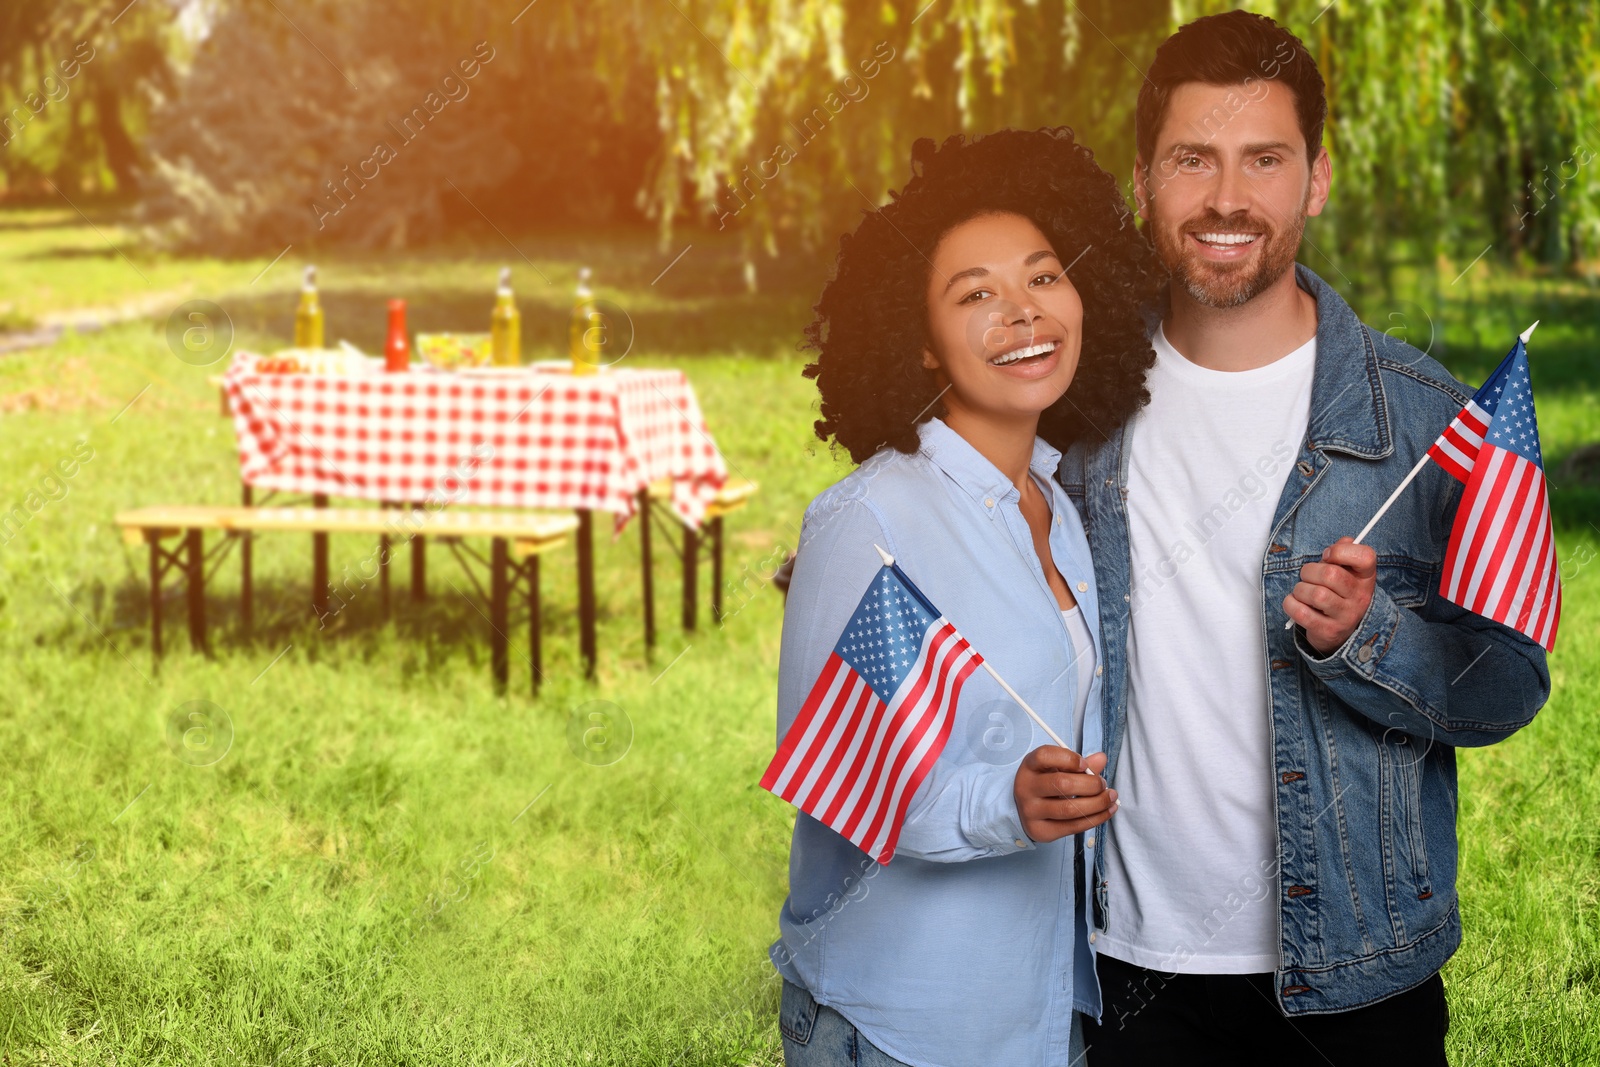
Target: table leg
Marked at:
716, 570
247, 599
645, 565
319, 563
383, 571
195, 564
419, 565
383, 559
154, 540
586, 612
499, 567
691, 575
535, 648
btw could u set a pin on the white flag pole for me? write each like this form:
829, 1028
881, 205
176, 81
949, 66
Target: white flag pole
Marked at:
1362, 536
888, 561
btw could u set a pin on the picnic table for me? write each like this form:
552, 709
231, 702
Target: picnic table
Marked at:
622, 441
516, 437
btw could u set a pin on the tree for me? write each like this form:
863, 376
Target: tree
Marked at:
78, 78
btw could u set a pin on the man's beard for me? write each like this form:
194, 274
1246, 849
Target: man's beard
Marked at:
1228, 285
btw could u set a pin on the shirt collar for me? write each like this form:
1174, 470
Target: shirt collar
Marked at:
972, 471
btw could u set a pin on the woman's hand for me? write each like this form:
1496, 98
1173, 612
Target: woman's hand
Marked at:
1059, 792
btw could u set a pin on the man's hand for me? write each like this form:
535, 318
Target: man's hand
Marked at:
1332, 596
1059, 792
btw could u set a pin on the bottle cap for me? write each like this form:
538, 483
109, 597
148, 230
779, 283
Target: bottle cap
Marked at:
583, 282
505, 281
310, 281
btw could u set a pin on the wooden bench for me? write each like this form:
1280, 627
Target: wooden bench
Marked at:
654, 502
517, 539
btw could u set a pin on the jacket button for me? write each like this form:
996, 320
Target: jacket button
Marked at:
1364, 653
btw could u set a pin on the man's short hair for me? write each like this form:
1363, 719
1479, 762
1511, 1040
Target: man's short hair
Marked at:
1232, 48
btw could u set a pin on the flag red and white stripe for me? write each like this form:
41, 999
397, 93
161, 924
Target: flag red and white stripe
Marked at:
1456, 450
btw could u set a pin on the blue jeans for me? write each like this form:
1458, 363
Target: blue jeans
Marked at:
814, 1035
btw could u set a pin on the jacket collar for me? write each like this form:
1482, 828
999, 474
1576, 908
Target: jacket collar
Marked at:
1349, 410
968, 468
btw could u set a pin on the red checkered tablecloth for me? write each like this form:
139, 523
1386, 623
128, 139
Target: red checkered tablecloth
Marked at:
535, 439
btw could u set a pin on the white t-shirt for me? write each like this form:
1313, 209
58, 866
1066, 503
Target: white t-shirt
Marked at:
1083, 664
1192, 863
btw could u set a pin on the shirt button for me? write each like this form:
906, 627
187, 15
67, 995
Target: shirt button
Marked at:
1021, 843
1083, 587
1091, 938
1098, 671
1089, 841
988, 501
1058, 520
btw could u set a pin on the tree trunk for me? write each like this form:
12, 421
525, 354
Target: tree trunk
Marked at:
122, 155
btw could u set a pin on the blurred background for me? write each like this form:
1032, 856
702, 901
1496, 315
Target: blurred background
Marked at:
301, 898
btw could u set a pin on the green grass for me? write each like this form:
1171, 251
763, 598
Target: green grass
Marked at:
360, 878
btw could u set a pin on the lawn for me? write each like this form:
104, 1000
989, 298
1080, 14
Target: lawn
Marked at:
386, 863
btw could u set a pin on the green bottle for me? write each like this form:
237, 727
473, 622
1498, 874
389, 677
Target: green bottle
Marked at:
308, 316
505, 325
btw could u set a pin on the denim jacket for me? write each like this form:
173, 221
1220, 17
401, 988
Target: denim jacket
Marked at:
1364, 738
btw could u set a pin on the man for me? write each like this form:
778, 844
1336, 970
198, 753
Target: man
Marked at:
1279, 883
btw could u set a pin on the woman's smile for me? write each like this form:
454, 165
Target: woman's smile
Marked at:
1028, 359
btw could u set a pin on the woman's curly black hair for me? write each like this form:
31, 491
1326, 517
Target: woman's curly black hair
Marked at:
871, 323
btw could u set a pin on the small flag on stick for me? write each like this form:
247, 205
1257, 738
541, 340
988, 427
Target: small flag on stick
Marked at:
1501, 560
878, 715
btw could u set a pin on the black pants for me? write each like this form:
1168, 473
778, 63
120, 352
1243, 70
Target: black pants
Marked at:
1197, 1020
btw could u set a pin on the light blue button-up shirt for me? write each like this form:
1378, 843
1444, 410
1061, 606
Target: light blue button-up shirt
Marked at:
970, 946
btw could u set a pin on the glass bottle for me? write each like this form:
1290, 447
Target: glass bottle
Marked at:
585, 334
308, 316
505, 325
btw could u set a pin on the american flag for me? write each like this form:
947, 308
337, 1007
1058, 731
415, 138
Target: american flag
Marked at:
1501, 561
877, 717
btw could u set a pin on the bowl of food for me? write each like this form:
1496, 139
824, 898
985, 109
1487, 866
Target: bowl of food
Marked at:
453, 351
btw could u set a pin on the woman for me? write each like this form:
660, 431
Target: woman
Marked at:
974, 327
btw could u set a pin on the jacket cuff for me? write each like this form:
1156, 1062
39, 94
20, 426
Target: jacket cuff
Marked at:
1363, 649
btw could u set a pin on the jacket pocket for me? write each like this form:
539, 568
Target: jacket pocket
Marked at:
1403, 762
1409, 583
